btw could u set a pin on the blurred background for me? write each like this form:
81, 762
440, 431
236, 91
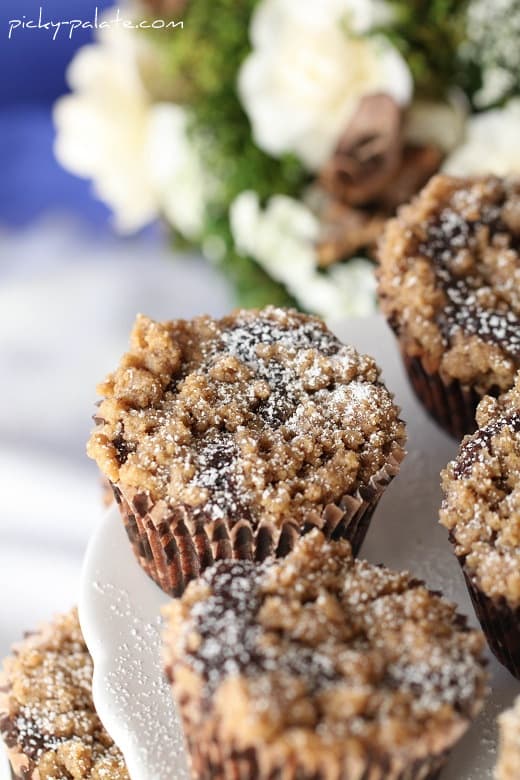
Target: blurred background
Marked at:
69, 291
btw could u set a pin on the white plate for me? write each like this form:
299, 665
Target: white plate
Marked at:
119, 613
5, 768
119, 605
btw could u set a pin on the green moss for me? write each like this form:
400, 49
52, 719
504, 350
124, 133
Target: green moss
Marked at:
429, 34
203, 61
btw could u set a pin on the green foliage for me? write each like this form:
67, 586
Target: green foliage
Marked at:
203, 61
429, 34
253, 286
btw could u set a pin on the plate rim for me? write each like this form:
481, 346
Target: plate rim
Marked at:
109, 529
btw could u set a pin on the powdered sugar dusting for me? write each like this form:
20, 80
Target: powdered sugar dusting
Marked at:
47, 714
463, 245
267, 415
320, 621
481, 503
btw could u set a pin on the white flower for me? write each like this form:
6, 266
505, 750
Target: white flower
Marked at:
309, 68
491, 145
102, 128
137, 153
492, 44
282, 240
176, 171
496, 83
440, 123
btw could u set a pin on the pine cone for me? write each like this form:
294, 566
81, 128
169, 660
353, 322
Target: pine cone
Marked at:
346, 231
370, 174
418, 165
368, 155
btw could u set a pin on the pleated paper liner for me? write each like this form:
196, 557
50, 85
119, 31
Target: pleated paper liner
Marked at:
500, 623
452, 405
173, 547
209, 763
213, 758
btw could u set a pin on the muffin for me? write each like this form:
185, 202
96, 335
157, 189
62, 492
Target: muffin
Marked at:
481, 509
508, 764
47, 717
449, 284
229, 438
319, 666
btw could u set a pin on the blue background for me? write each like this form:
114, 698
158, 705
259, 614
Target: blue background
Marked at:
33, 76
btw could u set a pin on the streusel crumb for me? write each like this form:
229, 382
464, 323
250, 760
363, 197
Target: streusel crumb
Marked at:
449, 280
259, 414
47, 716
324, 657
481, 505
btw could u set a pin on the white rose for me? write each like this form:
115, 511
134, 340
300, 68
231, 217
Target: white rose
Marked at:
309, 68
180, 181
102, 128
137, 153
282, 238
441, 123
491, 145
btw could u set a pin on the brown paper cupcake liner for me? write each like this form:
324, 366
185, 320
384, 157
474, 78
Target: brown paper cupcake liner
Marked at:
174, 548
211, 759
500, 623
452, 405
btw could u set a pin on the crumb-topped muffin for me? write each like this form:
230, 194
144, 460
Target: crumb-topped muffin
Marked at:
449, 284
320, 666
47, 717
228, 438
508, 764
481, 509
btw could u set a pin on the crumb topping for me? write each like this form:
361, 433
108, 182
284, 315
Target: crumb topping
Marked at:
481, 505
262, 413
324, 647
509, 743
450, 278
48, 714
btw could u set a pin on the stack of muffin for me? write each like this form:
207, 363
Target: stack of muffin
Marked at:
247, 456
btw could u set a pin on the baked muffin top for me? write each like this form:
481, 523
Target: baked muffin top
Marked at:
47, 716
509, 744
481, 505
325, 655
449, 280
261, 413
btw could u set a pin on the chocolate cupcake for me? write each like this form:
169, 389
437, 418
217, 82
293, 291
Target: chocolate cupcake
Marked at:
481, 509
320, 666
229, 438
508, 764
47, 717
449, 284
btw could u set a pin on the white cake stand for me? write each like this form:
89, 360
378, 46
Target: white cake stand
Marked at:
119, 606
